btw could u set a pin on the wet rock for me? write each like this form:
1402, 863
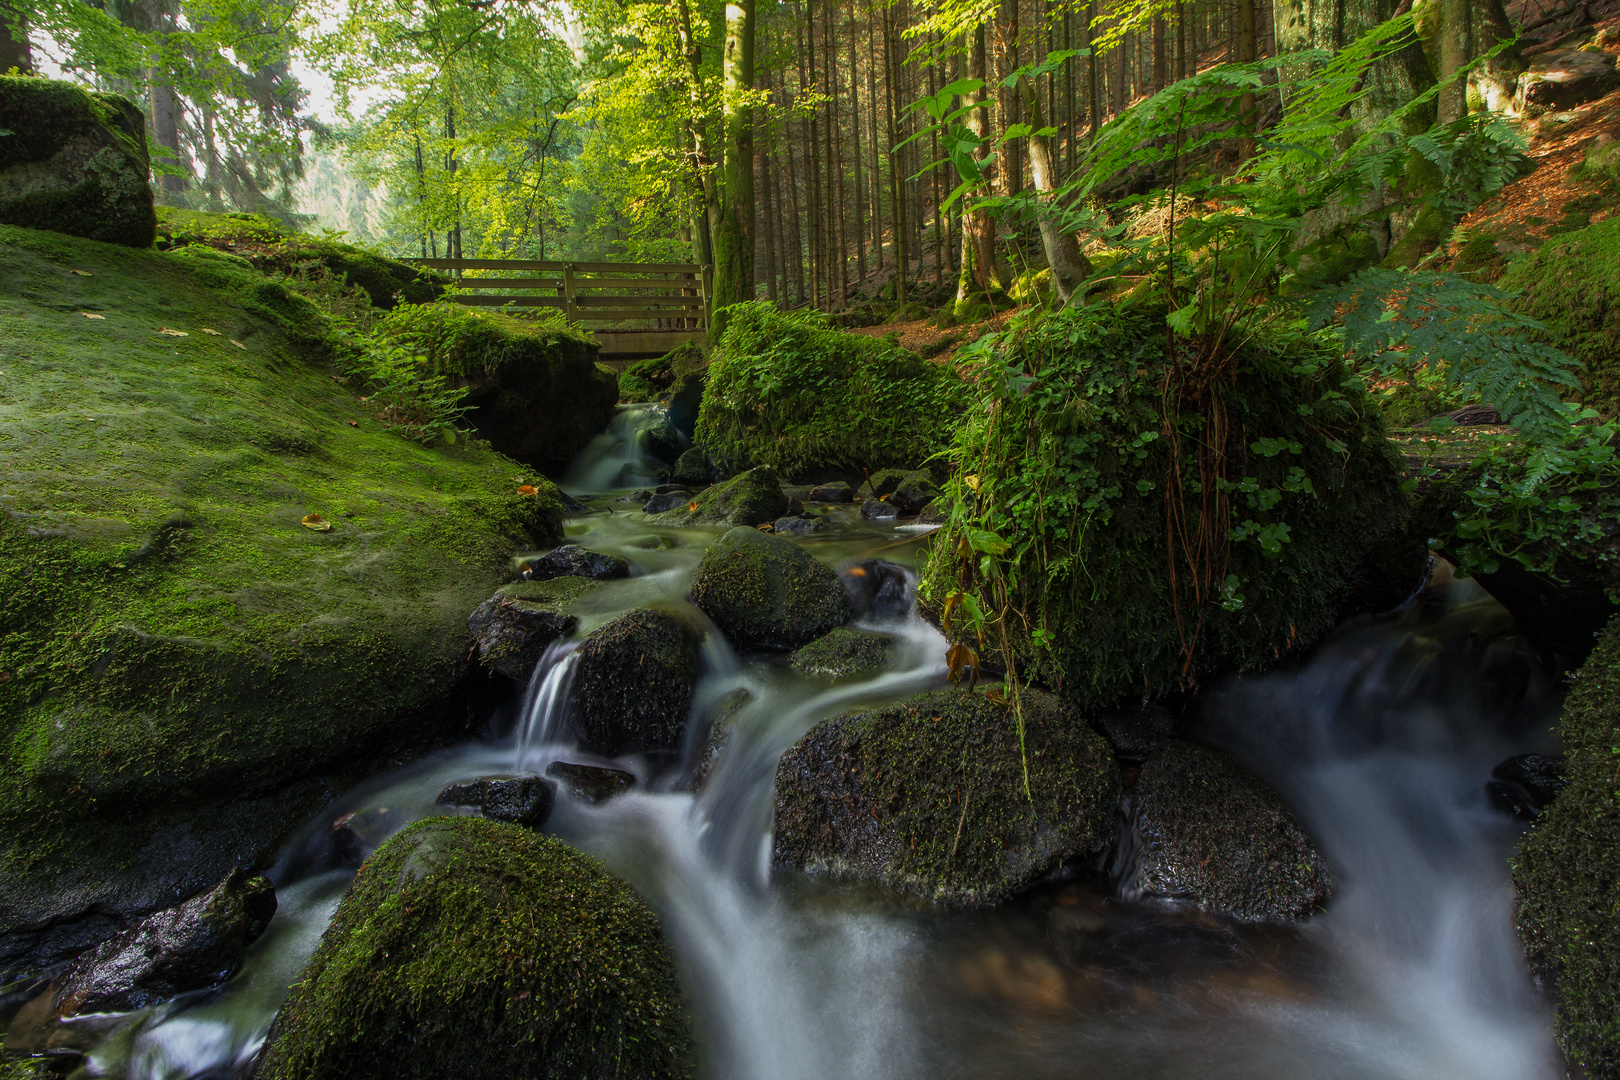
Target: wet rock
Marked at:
691, 468
632, 683
750, 498
570, 504
878, 510
471, 948
636, 496
512, 629
767, 592
352, 838
664, 442
845, 653
517, 800
877, 589
571, 560
935, 512
684, 402
798, 526
1202, 828
928, 796
884, 482
659, 543
913, 493
665, 489
720, 734
591, 783
193, 945
835, 492
74, 162
1135, 731
1565, 79
669, 500
1526, 784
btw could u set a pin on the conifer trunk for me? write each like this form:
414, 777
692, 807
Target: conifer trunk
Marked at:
734, 243
1069, 266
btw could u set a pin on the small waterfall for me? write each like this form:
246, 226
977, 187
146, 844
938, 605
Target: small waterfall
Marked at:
621, 457
546, 702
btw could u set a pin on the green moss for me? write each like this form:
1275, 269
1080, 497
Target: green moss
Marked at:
1572, 284
790, 393
1567, 873
168, 628
467, 947
100, 188
1070, 470
1480, 258
633, 388
845, 653
558, 594
1344, 254
768, 591
1426, 233
928, 796
662, 372
752, 498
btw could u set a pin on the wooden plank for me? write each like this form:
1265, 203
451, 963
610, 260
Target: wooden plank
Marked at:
515, 301
537, 264
568, 292
601, 315
671, 284
630, 344
509, 283
651, 303
638, 268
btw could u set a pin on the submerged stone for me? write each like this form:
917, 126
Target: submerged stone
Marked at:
591, 783
470, 948
517, 800
928, 797
1202, 828
767, 592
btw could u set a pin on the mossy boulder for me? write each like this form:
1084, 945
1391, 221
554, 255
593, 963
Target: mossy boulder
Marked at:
928, 797
1203, 829
186, 663
74, 161
844, 653
1066, 507
767, 592
633, 681
1567, 872
790, 392
1572, 284
513, 628
750, 498
468, 947
536, 391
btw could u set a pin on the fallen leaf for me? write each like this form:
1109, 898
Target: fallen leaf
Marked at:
959, 659
91, 315
691, 506
211, 330
316, 522
238, 344
174, 333
766, 527
528, 489
354, 423
81, 273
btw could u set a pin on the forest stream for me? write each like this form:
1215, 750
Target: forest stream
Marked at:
1381, 741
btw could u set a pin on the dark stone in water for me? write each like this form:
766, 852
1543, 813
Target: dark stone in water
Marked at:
664, 442
674, 499
798, 526
513, 628
844, 653
637, 496
1201, 828
768, 592
659, 543
518, 800
353, 837
571, 560
877, 588
878, 510
665, 489
692, 468
571, 505
193, 945
1526, 784
592, 783
935, 512
836, 492
633, 683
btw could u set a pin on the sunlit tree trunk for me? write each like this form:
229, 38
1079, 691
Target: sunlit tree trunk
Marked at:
1069, 266
734, 243
708, 215
978, 237
1455, 52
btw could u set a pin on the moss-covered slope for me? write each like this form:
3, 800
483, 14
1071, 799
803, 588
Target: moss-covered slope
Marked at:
1572, 284
788, 392
1567, 874
170, 632
469, 948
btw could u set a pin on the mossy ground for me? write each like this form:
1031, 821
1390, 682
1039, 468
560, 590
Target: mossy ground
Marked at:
1567, 873
169, 630
1572, 284
794, 394
471, 948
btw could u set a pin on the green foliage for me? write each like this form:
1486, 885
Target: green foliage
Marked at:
464, 341
423, 407
787, 391
1572, 286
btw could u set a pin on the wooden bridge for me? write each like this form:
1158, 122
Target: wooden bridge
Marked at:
667, 302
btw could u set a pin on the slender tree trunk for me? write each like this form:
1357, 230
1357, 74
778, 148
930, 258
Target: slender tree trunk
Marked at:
1497, 78
978, 238
166, 132
708, 218
813, 153
15, 53
1161, 62
877, 139
1093, 90
1247, 53
835, 163
798, 220
897, 195
734, 242
1069, 266
855, 131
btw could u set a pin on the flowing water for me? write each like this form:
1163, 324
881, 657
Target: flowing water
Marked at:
1381, 742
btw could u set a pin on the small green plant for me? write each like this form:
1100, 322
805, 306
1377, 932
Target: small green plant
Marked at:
424, 407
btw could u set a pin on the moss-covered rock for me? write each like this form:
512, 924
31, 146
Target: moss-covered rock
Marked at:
768, 592
844, 653
74, 161
1202, 828
929, 796
183, 657
1572, 284
1066, 478
751, 498
787, 391
1567, 873
633, 682
535, 388
513, 628
472, 948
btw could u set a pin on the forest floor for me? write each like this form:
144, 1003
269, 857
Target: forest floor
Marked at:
922, 336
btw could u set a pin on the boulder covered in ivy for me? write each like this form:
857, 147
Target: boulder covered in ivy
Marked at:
74, 161
533, 385
1118, 540
787, 390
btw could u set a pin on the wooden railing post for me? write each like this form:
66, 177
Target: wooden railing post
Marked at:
570, 305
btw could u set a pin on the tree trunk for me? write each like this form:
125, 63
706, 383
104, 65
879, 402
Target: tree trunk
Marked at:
1455, 52
1069, 266
708, 216
978, 237
855, 130
897, 195
1496, 79
166, 132
15, 53
734, 242
1248, 51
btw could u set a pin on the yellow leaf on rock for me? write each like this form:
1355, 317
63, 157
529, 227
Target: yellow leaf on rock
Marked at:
212, 331
316, 522
91, 315
238, 344
81, 273
691, 506
173, 333
528, 489
766, 527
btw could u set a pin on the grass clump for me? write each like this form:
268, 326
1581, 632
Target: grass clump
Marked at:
468, 947
787, 391
1567, 872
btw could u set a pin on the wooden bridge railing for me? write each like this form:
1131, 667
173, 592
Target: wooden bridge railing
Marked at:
676, 294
